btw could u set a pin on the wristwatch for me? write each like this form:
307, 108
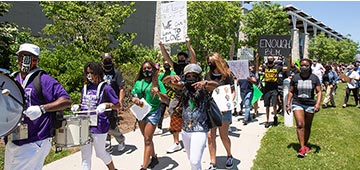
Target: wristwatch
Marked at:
42, 108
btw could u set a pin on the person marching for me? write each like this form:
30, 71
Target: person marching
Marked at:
194, 112
175, 116
352, 85
330, 79
148, 86
304, 105
220, 72
114, 78
98, 96
30, 152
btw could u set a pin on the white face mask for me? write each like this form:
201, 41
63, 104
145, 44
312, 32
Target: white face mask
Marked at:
89, 77
26, 63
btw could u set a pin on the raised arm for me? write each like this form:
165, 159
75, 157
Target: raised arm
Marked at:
165, 54
288, 64
191, 51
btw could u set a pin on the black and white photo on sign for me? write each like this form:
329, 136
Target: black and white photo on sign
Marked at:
173, 22
240, 68
223, 98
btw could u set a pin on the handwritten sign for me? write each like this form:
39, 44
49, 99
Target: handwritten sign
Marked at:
223, 98
274, 45
173, 22
240, 68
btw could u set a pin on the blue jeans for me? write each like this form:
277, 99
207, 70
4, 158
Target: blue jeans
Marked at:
246, 103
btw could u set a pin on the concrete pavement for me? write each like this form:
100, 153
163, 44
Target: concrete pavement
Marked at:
245, 141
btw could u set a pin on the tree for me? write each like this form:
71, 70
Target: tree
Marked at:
213, 26
265, 18
327, 49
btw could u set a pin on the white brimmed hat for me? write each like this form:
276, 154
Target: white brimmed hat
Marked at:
34, 49
192, 68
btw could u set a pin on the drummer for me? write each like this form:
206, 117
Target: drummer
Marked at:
29, 152
97, 96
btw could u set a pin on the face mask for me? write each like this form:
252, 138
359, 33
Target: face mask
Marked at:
189, 82
108, 67
147, 73
270, 62
167, 67
89, 77
305, 70
181, 62
26, 63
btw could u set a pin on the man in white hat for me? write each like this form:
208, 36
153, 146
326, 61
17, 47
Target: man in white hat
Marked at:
29, 151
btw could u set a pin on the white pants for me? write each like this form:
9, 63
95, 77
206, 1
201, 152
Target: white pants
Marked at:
194, 143
99, 146
27, 156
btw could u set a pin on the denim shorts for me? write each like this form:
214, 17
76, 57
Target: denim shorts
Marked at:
227, 117
309, 109
152, 117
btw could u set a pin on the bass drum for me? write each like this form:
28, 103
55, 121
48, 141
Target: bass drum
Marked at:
12, 104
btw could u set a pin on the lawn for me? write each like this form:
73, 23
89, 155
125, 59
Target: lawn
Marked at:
334, 141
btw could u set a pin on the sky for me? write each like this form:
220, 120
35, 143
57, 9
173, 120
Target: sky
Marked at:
341, 16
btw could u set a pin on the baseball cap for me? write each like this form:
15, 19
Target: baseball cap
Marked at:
192, 68
34, 49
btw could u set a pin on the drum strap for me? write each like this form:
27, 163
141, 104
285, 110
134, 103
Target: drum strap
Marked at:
98, 90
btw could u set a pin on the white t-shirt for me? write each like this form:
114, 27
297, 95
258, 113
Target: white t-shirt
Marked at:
354, 75
317, 70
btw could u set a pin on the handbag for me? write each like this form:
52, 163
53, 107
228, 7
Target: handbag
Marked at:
213, 113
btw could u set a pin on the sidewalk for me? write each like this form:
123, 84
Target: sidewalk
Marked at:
245, 141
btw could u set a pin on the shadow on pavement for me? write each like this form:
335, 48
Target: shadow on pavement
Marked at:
221, 160
236, 130
165, 163
128, 150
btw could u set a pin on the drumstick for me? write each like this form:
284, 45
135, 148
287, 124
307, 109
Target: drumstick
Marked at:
6, 92
88, 111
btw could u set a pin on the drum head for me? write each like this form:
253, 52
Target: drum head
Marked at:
12, 102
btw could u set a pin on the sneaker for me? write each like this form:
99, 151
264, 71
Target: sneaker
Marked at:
229, 162
324, 106
212, 167
276, 120
154, 161
245, 122
174, 147
344, 105
158, 131
121, 146
307, 149
267, 125
301, 152
254, 116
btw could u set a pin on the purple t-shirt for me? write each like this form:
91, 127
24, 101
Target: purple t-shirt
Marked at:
41, 128
89, 102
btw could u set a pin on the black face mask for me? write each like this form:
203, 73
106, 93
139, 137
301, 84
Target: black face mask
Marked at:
305, 70
167, 67
147, 73
270, 62
181, 62
108, 67
189, 82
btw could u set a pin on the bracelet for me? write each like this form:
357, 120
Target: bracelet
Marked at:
42, 108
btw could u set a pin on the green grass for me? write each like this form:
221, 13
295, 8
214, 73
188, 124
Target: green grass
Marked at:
334, 141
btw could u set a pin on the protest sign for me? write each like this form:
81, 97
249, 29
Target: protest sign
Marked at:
245, 54
173, 22
240, 68
223, 98
274, 45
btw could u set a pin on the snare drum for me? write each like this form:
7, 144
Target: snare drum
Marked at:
12, 104
74, 131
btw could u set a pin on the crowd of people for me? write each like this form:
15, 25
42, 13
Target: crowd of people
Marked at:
185, 89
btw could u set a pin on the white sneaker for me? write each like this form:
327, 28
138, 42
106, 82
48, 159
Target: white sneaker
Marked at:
158, 131
121, 146
173, 148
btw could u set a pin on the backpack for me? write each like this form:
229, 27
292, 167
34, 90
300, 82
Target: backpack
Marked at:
59, 115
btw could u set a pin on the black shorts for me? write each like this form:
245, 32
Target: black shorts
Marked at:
270, 98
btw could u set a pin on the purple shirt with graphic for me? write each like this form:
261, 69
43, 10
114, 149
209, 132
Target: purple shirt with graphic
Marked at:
41, 128
89, 102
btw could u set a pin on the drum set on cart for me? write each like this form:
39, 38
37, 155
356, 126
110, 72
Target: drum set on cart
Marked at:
74, 130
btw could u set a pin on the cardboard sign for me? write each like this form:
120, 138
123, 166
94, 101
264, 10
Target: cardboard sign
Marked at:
173, 22
240, 68
245, 54
223, 98
274, 45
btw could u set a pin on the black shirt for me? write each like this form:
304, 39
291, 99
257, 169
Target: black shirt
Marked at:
304, 89
114, 79
271, 77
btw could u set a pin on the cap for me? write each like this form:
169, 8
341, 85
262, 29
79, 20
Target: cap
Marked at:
192, 68
106, 59
34, 49
350, 67
106, 55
